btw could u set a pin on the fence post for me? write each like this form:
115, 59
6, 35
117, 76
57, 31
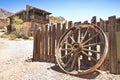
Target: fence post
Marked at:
36, 48
112, 45
102, 67
49, 43
38, 44
94, 20
41, 43
58, 32
46, 42
70, 24
35, 45
53, 34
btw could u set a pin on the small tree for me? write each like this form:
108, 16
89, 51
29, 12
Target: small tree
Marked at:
17, 25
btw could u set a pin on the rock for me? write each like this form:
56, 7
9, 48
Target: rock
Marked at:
53, 19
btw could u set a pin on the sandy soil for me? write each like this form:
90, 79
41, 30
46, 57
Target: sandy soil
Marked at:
15, 65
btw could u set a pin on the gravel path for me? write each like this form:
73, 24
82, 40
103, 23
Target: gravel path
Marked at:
15, 65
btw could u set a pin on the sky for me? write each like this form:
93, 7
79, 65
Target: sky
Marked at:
72, 10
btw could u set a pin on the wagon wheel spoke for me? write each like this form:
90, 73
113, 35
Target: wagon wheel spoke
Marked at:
72, 39
69, 61
79, 36
93, 51
68, 49
89, 56
79, 63
67, 44
85, 35
66, 54
90, 38
73, 62
69, 34
93, 44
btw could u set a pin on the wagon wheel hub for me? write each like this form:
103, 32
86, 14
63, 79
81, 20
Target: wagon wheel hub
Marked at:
77, 47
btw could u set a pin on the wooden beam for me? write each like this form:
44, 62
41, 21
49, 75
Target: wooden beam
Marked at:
27, 12
113, 45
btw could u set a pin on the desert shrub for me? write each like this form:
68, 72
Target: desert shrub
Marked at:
12, 36
17, 30
18, 25
9, 35
25, 37
5, 35
30, 38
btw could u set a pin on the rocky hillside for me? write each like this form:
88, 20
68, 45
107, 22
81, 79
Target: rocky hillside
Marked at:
4, 14
54, 19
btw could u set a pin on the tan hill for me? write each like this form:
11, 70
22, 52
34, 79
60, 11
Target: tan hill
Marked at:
3, 17
4, 14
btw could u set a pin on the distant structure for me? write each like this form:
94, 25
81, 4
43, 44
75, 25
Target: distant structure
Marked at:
32, 17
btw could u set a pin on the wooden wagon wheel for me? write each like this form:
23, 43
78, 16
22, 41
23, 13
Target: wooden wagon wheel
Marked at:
81, 49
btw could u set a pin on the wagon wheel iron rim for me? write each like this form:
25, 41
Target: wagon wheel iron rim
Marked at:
76, 44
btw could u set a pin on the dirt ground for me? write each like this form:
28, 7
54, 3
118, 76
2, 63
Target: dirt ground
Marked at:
15, 64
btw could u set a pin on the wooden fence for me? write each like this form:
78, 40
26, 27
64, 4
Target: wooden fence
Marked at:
46, 39
112, 29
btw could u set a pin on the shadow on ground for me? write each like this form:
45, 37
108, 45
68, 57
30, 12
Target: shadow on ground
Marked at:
88, 76
92, 75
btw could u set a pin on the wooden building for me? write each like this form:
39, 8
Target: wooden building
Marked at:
32, 17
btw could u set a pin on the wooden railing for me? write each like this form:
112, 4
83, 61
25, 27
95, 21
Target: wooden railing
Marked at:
37, 17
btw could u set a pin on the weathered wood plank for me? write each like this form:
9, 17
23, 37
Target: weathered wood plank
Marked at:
63, 30
38, 44
105, 27
58, 32
43, 41
49, 43
41, 44
113, 45
102, 24
95, 47
46, 42
85, 60
27, 12
35, 46
94, 20
102, 67
53, 44
70, 24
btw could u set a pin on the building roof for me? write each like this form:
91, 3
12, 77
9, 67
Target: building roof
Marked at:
34, 8
31, 8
